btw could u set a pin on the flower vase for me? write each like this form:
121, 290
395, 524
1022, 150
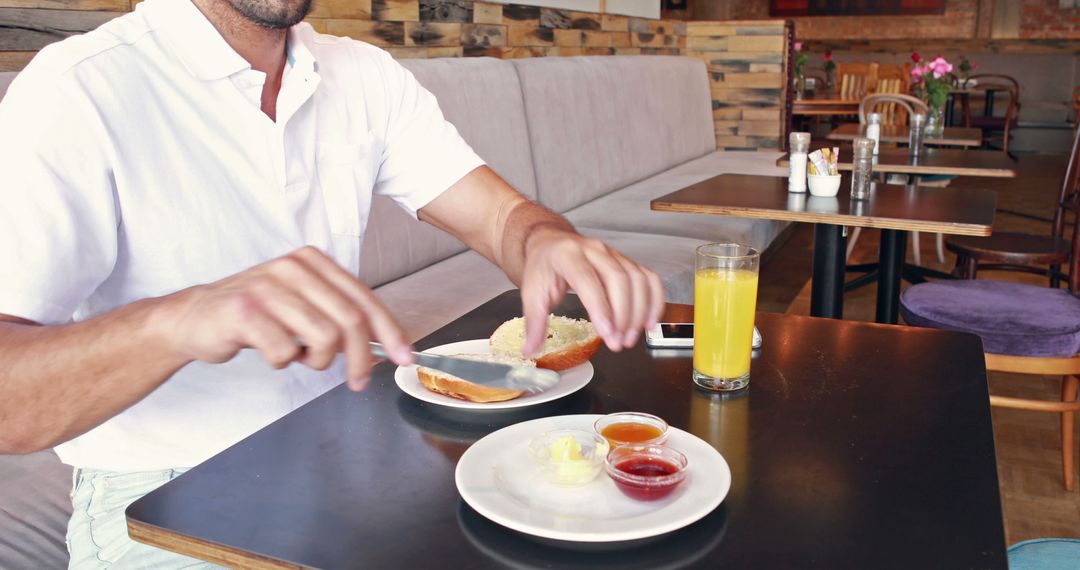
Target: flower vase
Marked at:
800, 86
935, 121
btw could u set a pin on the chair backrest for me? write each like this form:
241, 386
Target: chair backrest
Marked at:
818, 75
1076, 107
1069, 206
1072, 206
999, 82
856, 79
894, 107
893, 79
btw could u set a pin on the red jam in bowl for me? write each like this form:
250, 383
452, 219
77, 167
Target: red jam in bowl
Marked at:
646, 472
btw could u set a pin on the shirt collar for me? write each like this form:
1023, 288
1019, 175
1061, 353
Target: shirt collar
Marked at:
300, 56
200, 47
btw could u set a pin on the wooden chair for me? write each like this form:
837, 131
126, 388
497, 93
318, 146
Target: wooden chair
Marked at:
855, 80
895, 108
993, 83
893, 80
1025, 330
818, 75
1076, 107
1040, 254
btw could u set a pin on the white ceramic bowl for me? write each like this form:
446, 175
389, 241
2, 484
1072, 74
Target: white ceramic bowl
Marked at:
821, 185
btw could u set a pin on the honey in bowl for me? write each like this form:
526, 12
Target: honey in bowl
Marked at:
632, 427
630, 432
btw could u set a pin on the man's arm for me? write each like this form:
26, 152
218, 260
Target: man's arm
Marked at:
541, 253
60, 381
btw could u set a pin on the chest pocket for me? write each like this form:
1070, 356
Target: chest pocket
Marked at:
347, 176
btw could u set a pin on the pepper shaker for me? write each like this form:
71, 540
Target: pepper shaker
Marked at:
915, 134
862, 168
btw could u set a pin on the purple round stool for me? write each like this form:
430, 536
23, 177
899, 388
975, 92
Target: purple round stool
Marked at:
1021, 320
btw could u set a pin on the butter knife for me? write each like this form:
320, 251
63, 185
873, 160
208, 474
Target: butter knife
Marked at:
531, 380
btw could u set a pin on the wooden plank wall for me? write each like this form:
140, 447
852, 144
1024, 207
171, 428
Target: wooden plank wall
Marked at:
745, 59
747, 69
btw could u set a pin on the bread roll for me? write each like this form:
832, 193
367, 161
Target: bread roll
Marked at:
450, 385
569, 342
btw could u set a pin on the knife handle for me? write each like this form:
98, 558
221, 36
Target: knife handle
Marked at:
379, 350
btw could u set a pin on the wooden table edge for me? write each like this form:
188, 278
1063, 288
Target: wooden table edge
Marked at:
910, 169
827, 218
930, 142
213, 552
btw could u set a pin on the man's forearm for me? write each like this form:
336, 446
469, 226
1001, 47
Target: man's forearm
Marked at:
58, 382
525, 221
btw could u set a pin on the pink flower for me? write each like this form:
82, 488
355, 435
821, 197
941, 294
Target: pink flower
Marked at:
974, 66
827, 56
917, 72
938, 67
798, 46
915, 57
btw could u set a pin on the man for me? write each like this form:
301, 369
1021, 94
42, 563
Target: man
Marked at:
185, 193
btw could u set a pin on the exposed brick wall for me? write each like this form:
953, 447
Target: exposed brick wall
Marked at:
1039, 19
1046, 20
959, 20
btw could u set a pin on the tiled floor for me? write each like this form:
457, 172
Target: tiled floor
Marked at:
1028, 443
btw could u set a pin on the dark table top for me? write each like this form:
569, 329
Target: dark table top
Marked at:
958, 211
950, 136
950, 161
856, 446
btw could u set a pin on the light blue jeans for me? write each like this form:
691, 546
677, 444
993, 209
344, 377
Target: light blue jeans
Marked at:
97, 533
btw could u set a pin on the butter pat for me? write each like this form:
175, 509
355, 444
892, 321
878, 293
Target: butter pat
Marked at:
569, 457
565, 449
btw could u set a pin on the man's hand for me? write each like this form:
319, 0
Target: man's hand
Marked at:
622, 297
540, 252
301, 307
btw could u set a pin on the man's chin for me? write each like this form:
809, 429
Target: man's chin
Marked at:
273, 14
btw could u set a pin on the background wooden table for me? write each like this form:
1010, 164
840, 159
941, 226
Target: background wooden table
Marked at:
951, 136
948, 161
855, 446
824, 102
893, 209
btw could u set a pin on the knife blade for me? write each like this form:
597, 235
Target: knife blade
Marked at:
528, 379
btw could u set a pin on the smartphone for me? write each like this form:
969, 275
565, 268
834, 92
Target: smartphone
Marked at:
680, 335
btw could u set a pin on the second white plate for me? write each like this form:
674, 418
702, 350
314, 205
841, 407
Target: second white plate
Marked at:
571, 380
496, 477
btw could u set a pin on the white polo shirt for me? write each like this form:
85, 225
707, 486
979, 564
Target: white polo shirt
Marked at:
135, 162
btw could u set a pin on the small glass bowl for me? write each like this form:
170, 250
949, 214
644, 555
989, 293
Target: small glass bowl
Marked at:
634, 419
549, 451
646, 472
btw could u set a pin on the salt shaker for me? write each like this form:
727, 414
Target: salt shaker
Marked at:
862, 168
800, 146
873, 129
915, 134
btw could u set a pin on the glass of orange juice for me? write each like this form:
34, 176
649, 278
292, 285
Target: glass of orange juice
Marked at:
725, 296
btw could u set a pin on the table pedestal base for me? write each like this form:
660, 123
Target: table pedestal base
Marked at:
827, 286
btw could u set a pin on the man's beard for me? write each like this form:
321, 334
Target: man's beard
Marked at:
273, 14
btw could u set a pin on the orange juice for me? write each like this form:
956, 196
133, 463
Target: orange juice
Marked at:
724, 302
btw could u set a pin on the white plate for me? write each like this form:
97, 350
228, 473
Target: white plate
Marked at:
496, 477
571, 380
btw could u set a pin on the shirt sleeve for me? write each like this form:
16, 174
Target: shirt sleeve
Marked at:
423, 154
58, 213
